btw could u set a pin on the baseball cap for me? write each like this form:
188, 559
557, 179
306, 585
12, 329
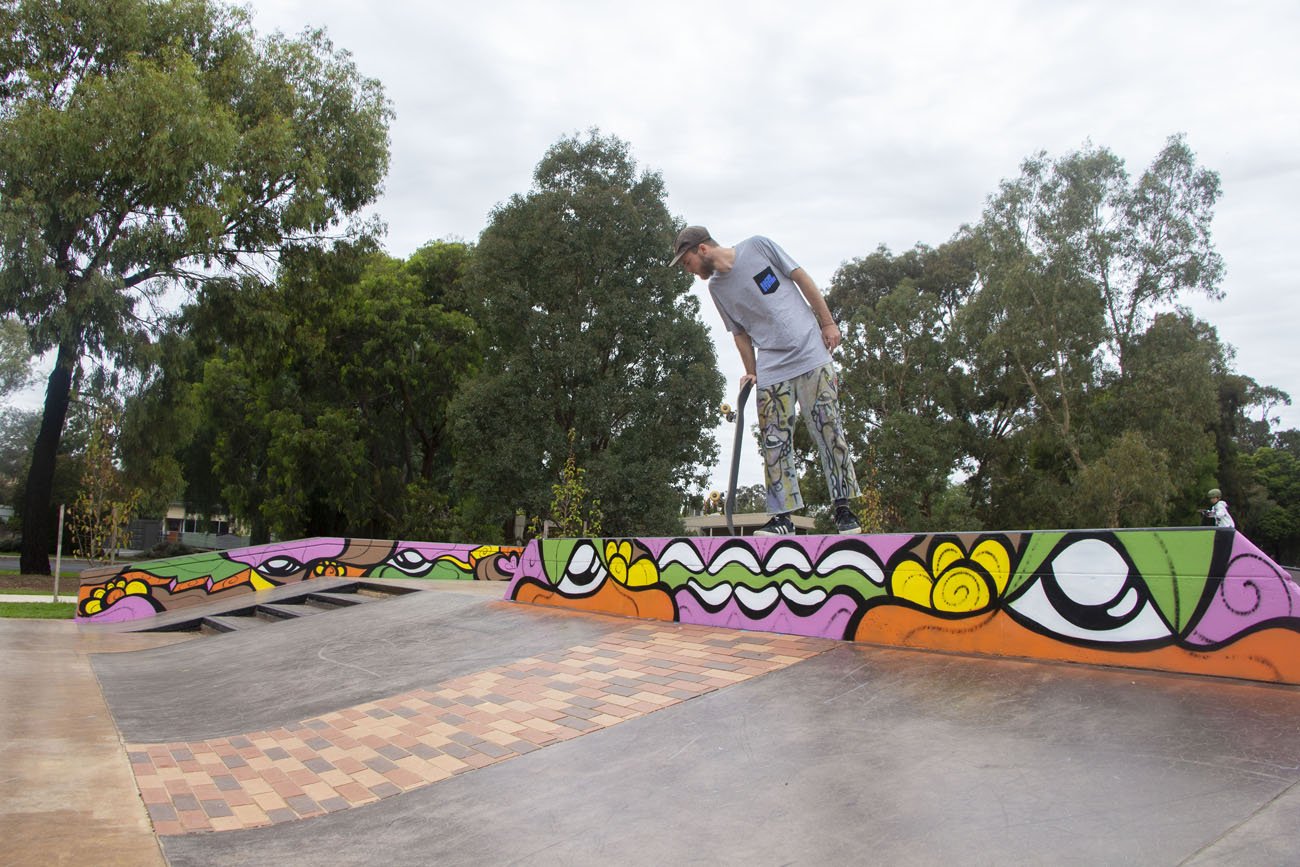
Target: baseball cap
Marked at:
686, 239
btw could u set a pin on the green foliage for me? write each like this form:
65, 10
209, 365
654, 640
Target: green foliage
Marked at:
1271, 502
572, 513
165, 550
142, 141
17, 433
15, 356
750, 498
1077, 265
98, 519
18, 430
1128, 486
146, 145
1033, 371
1037, 356
905, 386
320, 403
585, 328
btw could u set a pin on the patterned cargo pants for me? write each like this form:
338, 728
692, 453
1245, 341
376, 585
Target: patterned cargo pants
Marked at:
817, 396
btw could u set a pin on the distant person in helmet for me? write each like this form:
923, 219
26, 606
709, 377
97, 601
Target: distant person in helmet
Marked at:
1218, 511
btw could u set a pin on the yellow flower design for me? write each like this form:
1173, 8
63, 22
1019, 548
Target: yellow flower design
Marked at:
955, 582
110, 592
483, 551
626, 571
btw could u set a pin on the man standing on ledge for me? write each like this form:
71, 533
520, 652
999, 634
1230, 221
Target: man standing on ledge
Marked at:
785, 335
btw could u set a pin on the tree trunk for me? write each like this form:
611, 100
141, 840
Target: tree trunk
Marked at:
258, 533
37, 508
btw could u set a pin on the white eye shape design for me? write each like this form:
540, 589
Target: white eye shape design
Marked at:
584, 574
411, 562
280, 567
1088, 592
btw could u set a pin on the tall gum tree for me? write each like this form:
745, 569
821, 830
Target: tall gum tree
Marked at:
1079, 260
1042, 353
901, 381
586, 328
153, 144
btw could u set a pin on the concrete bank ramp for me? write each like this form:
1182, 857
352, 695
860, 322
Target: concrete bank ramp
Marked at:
448, 727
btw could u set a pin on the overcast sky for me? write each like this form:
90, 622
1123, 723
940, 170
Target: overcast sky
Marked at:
834, 127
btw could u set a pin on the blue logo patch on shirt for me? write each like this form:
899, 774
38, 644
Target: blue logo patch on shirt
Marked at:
767, 282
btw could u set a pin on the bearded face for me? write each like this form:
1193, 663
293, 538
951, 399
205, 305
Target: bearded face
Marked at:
699, 262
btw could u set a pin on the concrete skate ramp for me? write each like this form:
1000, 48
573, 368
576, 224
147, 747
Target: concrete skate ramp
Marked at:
234, 683
450, 728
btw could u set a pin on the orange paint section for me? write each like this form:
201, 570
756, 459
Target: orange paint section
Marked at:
612, 598
241, 577
1270, 655
86, 591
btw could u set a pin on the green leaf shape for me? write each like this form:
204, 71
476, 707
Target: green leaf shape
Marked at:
182, 569
1175, 567
1031, 562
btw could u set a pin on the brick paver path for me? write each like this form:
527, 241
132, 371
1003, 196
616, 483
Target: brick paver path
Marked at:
359, 754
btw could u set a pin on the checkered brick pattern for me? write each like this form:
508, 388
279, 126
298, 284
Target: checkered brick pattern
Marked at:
360, 754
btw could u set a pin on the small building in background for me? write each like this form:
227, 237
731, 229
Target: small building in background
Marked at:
745, 523
209, 533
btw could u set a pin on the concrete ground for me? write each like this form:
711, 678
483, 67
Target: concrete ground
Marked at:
525, 735
67, 795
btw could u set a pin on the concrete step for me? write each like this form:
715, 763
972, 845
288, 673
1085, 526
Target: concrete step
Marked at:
274, 611
219, 623
288, 604
337, 600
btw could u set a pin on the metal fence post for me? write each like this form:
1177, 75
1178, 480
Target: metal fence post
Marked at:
58, 554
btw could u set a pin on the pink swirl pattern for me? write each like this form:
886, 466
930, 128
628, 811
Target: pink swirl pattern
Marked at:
1255, 591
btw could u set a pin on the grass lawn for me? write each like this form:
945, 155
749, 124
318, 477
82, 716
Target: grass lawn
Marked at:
38, 610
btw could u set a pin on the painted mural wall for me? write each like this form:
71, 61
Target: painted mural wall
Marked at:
1194, 600
145, 589
1201, 601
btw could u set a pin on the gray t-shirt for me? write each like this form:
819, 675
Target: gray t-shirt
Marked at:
759, 297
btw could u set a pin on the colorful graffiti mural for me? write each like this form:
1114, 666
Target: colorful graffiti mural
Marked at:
149, 588
1192, 600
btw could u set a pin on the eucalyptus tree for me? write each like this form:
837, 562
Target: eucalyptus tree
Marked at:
1271, 500
904, 384
317, 404
1081, 271
15, 356
586, 329
152, 144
